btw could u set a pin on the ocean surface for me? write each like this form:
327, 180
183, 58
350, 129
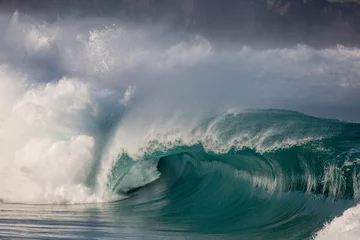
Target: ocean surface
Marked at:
111, 131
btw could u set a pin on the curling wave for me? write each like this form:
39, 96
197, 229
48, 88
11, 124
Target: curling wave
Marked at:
259, 172
288, 151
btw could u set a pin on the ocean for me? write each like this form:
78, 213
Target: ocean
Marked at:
115, 131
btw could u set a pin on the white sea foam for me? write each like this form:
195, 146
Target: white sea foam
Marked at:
346, 226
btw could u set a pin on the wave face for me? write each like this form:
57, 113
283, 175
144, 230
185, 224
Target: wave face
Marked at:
180, 134
256, 173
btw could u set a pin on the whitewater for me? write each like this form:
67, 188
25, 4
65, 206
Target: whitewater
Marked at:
138, 128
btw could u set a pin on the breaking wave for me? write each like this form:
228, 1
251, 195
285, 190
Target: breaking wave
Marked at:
96, 111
